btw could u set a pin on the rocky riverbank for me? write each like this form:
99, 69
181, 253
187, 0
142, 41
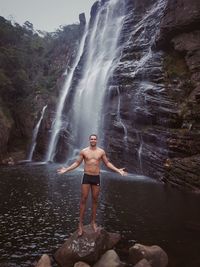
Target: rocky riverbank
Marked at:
96, 249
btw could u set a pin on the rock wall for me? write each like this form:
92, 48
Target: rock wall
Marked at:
159, 98
137, 141
6, 124
180, 39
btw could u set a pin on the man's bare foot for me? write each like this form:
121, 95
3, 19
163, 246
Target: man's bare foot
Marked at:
94, 226
80, 230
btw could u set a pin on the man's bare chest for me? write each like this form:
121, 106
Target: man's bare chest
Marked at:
92, 156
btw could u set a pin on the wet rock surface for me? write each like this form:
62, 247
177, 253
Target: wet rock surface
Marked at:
180, 32
153, 110
87, 248
44, 261
94, 249
155, 255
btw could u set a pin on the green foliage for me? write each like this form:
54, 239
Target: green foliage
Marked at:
29, 61
31, 64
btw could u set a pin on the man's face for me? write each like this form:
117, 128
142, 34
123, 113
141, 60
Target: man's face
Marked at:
93, 140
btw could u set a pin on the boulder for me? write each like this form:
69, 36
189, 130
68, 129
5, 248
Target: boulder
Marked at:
44, 261
155, 255
81, 264
109, 259
87, 248
143, 263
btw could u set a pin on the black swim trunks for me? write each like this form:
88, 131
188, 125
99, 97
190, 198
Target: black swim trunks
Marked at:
91, 179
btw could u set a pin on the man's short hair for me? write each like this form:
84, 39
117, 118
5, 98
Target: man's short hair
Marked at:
93, 135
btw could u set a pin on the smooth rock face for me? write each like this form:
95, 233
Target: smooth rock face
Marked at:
44, 261
155, 255
87, 248
109, 259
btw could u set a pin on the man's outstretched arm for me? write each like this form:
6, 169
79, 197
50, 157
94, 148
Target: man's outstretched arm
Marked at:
72, 166
111, 166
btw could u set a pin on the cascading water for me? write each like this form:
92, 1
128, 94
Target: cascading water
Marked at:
34, 136
57, 124
137, 75
102, 54
101, 62
141, 66
120, 120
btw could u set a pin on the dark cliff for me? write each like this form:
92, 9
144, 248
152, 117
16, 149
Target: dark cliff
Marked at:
160, 96
179, 38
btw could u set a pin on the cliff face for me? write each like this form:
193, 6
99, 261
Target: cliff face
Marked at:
158, 132
180, 39
138, 137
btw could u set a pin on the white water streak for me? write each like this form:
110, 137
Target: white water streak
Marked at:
56, 126
120, 120
34, 136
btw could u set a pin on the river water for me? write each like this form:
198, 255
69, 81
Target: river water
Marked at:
39, 209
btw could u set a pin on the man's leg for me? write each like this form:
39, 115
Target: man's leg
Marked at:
85, 188
95, 194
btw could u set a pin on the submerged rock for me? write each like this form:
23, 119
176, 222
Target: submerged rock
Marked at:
109, 259
143, 263
81, 264
155, 255
44, 261
87, 248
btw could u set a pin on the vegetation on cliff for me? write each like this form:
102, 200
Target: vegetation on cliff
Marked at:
30, 64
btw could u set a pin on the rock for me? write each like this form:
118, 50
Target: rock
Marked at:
109, 259
87, 248
180, 16
44, 261
187, 41
155, 255
179, 166
81, 264
82, 19
5, 127
143, 263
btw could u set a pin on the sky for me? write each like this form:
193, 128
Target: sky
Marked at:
45, 15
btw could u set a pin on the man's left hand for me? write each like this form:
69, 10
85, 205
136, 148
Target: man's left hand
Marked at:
122, 172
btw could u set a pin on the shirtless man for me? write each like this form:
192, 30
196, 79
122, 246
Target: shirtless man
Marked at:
92, 157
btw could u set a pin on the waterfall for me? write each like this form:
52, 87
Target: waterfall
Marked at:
141, 68
34, 136
102, 54
140, 154
57, 124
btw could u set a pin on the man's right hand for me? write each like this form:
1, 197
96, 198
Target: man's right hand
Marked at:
61, 170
